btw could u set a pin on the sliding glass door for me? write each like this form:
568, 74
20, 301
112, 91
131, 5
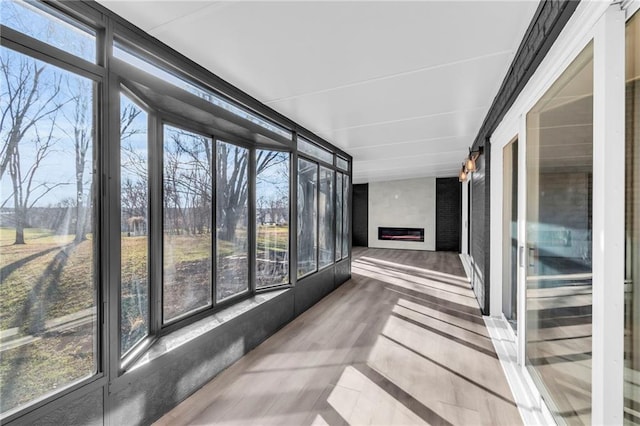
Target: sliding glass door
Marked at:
559, 157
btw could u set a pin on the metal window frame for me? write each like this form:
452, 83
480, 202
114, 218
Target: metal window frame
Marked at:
97, 74
288, 283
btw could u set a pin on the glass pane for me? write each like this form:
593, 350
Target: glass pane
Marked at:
272, 218
307, 216
314, 150
327, 215
559, 226
47, 247
632, 224
232, 267
47, 25
346, 214
134, 220
120, 53
339, 213
342, 163
510, 234
187, 222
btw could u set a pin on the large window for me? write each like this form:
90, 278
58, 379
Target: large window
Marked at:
346, 215
134, 225
559, 150
272, 218
48, 295
307, 217
232, 219
632, 222
186, 222
326, 214
339, 213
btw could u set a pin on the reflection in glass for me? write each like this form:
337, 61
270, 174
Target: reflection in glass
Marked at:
339, 213
49, 26
186, 222
510, 234
341, 163
307, 216
272, 218
48, 327
314, 150
559, 226
632, 225
327, 215
134, 225
232, 267
346, 215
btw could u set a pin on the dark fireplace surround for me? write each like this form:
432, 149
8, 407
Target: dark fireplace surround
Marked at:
401, 234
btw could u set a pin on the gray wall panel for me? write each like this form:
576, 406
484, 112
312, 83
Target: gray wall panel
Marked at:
154, 389
309, 290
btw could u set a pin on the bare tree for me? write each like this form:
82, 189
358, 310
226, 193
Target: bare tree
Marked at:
232, 183
27, 99
30, 99
26, 192
80, 130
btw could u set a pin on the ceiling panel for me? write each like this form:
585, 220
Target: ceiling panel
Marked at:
444, 89
384, 80
436, 126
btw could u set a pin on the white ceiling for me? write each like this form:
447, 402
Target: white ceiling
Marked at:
401, 86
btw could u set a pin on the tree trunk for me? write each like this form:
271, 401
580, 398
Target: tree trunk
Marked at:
19, 227
229, 226
14, 171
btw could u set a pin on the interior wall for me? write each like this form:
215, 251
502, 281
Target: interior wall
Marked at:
360, 220
479, 238
409, 203
448, 214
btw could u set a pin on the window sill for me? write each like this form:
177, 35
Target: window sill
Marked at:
184, 335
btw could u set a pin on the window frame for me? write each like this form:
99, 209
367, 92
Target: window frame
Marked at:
33, 48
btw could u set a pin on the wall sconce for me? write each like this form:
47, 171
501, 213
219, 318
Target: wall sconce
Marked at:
469, 164
470, 161
463, 174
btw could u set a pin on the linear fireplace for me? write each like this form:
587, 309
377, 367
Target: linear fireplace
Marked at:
401, 234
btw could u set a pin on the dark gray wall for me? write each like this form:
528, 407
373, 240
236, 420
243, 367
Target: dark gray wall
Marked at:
479, 242
547, 23
448, 214
361, 215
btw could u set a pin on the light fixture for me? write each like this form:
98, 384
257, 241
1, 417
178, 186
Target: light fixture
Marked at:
463, 174
470, 161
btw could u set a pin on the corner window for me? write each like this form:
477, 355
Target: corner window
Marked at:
134, 225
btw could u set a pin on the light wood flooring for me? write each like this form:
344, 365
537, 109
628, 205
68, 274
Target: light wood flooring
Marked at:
402, 342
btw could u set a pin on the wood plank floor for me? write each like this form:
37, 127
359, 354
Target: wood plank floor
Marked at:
402, 342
